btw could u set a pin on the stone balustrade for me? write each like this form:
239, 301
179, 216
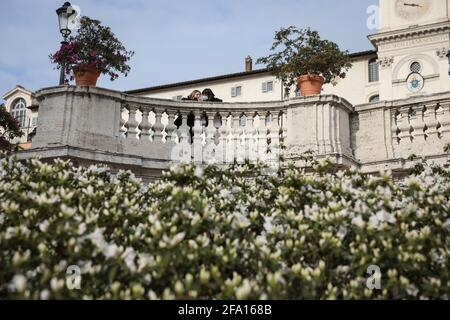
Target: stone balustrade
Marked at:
208, 133
387, 133
90, 125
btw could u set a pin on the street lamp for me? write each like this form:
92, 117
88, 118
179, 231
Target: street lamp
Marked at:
64, 14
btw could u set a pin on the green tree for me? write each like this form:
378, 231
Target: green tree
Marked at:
9, 129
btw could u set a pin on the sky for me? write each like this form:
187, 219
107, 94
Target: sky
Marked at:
173, 40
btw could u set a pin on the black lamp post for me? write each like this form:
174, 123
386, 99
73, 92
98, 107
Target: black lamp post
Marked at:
64, 13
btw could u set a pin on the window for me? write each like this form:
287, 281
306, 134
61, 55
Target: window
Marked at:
34, 122
297, 92
373, 70
236, 91
374, 98
415, 67
177, 98
267, 86
18, 110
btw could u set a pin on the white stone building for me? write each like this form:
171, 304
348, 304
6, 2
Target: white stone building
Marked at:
394, 102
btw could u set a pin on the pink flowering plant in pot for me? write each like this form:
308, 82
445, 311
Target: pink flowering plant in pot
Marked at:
94, 50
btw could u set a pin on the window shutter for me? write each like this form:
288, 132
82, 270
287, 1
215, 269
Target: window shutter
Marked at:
373, 71
233, 91
264, 87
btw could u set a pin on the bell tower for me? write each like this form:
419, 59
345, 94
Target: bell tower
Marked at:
403, 14
412, 43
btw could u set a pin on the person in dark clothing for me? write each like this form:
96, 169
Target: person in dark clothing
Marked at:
208, 95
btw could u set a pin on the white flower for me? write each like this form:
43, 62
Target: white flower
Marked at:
110, 251
128, 256
342, 232
81, 228
43, 226
10, 232
45, 294
56, 284
412, 290
18, 283
225, 193
358, 221
244, 290
381, 216
179, 288
97, 238
261, 240
69, 212
177, 238
240, 221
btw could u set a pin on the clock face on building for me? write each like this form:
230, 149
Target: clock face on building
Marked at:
412, 10
415, 82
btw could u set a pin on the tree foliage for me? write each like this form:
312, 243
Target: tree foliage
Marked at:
302, 52
9, 129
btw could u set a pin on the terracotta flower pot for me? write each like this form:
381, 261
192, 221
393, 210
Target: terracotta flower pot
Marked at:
310, 84
86, 75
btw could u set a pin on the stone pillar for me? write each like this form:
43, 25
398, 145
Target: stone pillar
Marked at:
320, 124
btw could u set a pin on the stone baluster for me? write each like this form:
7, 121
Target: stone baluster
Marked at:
430, 121
209, 155
132, 124
210, 129
404, 127
250, 132
145, 125
394, 128
183, 131
185, 140
221, 150
158, 127
417, 124
274, 138
284, 128
171, 128
197, 145
237, 138
122, 129
443, 118
262, 138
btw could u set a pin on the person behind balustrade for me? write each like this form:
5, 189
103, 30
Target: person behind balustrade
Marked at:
195, 95
208, 95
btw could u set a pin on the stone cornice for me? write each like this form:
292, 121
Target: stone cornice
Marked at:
442, 97
410, 33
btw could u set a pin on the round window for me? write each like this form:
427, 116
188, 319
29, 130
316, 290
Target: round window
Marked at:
415, 67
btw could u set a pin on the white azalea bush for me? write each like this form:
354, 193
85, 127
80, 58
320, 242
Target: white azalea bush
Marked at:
222, 233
